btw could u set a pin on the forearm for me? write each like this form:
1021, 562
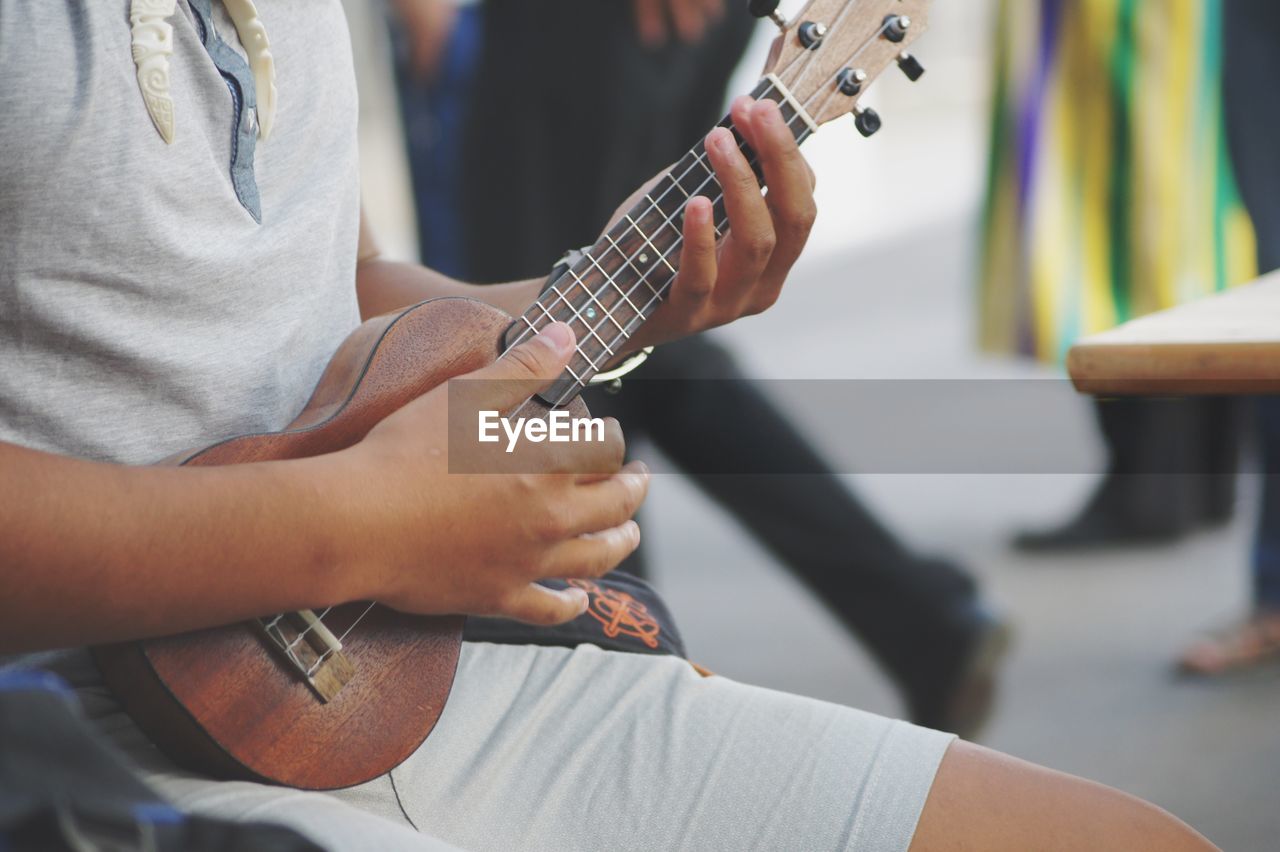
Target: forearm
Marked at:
94, 552
384, 286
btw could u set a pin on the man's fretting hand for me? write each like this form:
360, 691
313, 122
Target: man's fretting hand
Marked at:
436, 542
743, 275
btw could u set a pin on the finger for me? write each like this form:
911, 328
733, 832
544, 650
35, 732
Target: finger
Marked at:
651, 23
785, 170
605, 504
740, 114
751, 240
538, 605
696, 282
593, 555
790, 199
689, 18
714, 9
523, 370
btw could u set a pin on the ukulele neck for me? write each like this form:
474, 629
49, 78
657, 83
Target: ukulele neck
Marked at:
618, 283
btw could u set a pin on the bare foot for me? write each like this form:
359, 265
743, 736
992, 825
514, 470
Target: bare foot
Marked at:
1245, 645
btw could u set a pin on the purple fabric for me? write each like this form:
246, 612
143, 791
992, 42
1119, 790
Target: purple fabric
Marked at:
1032, 111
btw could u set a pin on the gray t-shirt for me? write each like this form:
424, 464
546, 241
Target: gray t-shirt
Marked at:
143, 308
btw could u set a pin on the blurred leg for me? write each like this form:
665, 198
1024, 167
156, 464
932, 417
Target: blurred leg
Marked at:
1164, 459
1250, 75
1266, 551
918, 617
985, 800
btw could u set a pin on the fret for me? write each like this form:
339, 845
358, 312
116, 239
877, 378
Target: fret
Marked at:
670, 205
659, 226
591, 293
661, 256
590, 330
609, 316
550, 316
694, 174
643, 277
630, 244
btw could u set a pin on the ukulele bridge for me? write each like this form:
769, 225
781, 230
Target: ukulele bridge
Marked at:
311, 650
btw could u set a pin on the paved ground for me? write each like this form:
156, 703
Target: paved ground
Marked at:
1088, 689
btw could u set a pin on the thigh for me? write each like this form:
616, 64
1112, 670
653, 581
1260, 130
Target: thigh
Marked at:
547, 748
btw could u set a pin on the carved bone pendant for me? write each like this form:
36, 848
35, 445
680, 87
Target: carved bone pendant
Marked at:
152, 39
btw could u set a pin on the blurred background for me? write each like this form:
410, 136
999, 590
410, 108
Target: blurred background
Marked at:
889, 289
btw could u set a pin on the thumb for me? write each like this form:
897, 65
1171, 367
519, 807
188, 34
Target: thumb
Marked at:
544, 607
526, 369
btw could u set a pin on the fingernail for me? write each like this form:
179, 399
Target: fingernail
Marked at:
583, 600
695, 210
633, 532
558, 336
720, 139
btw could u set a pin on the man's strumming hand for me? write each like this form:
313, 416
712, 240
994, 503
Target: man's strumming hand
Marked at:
433, 541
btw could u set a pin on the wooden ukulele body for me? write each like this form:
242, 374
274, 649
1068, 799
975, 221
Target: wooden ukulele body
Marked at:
223, 701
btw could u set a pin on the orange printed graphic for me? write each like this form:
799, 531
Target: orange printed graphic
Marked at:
621, 614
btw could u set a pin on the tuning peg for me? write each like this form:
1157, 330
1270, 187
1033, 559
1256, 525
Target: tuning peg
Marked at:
767, 9
895, 27
910, 66
851, 81
867, 121
812, 33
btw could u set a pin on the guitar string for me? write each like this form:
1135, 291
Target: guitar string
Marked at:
668, 220
665, 256
809, 57
805, 55
315, 667
660, 292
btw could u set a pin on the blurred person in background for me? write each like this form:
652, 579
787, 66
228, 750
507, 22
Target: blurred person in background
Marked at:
603, 94
1250, 80
1111, 196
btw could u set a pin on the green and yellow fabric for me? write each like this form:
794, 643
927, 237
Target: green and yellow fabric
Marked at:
1110, 189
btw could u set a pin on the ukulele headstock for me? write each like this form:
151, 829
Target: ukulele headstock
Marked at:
833, 51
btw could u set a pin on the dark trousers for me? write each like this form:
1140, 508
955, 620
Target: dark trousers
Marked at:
713, 423
1251, 77
596, 115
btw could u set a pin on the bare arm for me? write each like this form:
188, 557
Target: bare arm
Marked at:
94, 552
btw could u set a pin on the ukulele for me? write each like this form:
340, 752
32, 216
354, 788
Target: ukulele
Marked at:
328, 699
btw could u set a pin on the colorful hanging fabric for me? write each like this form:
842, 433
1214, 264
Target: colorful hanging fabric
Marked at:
1110, 190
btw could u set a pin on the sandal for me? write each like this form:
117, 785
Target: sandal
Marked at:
1246, 645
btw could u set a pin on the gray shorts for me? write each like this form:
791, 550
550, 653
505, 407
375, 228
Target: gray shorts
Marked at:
556, 749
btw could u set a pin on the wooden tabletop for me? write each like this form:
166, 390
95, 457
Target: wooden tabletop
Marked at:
1224, 344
